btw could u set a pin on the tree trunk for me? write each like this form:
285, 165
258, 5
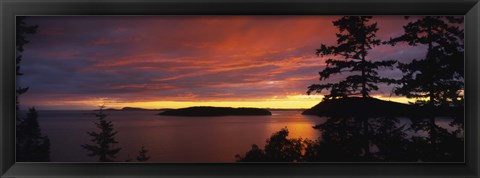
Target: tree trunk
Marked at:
364, 78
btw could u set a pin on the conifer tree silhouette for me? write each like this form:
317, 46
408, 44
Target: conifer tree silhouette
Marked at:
355, 38
104, 141
439, 76
142, 155
31, 144
437, 79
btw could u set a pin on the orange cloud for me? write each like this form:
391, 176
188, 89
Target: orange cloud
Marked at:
173, 61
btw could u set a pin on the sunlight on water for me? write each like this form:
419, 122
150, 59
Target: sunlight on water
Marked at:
175, 139
172, 139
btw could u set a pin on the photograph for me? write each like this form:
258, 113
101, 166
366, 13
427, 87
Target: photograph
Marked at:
240, 89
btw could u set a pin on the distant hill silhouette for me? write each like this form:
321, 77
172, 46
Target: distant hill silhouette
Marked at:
293, 109
131, 109
215, 111
137, 109
372, 107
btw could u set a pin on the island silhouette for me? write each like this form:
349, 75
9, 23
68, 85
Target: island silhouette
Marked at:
357, 126
215, 111
373, 107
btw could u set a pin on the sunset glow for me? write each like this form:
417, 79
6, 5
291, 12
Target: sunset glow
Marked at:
180, 61
288, 103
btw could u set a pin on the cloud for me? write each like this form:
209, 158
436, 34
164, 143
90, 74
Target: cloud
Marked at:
79, 59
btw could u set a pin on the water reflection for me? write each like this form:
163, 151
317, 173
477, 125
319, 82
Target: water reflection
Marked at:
219, 139
170, 138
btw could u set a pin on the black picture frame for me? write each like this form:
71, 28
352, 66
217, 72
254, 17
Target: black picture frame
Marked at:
11, 8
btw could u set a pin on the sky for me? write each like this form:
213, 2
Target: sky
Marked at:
81, 62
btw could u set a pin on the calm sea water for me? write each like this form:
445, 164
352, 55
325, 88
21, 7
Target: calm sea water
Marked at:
173, 138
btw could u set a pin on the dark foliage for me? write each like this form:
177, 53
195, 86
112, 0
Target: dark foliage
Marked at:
439, 76
256, 154
345, 139
142, 155
278, 148
440, 145
31, 144
438, 79
357, 36
21, 30
349, 139
341, 141
367, 129
359, 139
215, 111
345, 135
104, 141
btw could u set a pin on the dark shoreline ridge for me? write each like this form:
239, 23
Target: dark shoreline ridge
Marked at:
215, 111
372, 107
131, 109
